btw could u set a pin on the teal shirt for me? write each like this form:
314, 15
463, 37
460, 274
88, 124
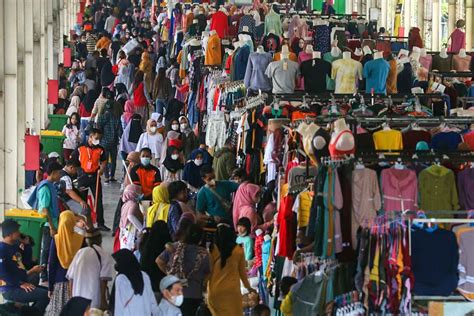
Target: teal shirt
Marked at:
376, 73
207, 202
44, 201
247, 243
330, 83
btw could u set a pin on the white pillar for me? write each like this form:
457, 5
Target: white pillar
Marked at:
420, 19
435, 43
469, 24
21, 91
60, 28
406, 21
38, 83
451, 15
44, 62
9, 111
3, 176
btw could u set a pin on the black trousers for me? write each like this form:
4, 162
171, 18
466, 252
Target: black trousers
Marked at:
190, 306
91, 184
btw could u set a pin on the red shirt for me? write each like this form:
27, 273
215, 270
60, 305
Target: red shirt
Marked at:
220, 23
139, 98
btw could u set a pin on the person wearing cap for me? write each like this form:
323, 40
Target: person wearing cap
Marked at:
14, 284
90, 271
45, 199
172, 291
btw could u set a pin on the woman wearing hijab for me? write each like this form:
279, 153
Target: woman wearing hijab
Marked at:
60, 107
172, 167
76, 306
245, 200
109, 123
158, 237
158, 211
192, 169
188, 138
131, 135
146, 66
73, 105
132, 293
64, 246
107, 76
78, 92
131, 218
152, 139
121, 94
129, 111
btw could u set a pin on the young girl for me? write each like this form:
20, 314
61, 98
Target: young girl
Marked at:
71, 131
243, 238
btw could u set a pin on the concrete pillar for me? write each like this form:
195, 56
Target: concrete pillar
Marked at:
9, 111
435, 41
420, 16
29, 69
469, 24
21, 96
44, 62
451, 15
60, 28
3, 176
406, 20
38, 83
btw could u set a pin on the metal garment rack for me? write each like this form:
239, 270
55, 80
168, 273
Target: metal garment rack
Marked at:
436, 221
450, 74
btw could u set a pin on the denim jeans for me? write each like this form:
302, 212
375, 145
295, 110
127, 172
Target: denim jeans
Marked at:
84, 134
39, 297
111, 162
160, 105
44, 257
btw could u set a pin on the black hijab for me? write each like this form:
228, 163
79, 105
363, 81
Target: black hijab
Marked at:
107, 76
127, 264
89, 100
158, 236
76, 306
170, 164
120, 88
135, 128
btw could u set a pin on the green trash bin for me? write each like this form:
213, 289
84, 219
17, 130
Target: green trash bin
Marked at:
57, 121
31, 223
52, 141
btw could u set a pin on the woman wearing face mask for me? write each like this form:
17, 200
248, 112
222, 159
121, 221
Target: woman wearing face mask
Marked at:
172, 167
245, 204
192, 169
132, 293
174, 126
131, 219
151, 139
188, 139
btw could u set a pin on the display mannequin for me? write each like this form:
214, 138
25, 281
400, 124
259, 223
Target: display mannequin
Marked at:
220, 22
255, 78
366, 50
342, 140
315, 72
316, 55
425, 59
347, 72
443, 61
335, 52
415, 54
376, 73
285, 50
283, 73
213, 52
330, 57
462, 61
260, 49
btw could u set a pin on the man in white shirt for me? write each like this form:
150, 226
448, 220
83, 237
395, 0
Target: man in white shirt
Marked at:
109, 24
90, 271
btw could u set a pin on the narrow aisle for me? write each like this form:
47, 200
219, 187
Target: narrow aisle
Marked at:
111, 195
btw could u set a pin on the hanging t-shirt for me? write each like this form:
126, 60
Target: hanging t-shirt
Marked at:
446, 142
376, 73
346, 72
388, 140
315, 72
283, 77
330, 83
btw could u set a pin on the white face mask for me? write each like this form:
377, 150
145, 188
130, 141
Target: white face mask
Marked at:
175, 156
177, 300
198, 162
153, 129
175, 127
95, 142
183, 126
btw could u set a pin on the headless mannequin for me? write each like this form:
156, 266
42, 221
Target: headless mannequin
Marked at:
316, 55
343, 140
462, 53
378, 55
260, 49
443, 53
366, 50
423, 52
335, 52
346, 55
309, 49
212, 33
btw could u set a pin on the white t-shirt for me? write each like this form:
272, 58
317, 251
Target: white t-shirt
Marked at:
86, 272
154, 142
129, 304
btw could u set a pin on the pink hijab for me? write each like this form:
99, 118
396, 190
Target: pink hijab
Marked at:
129, 111
244, 203
130, 204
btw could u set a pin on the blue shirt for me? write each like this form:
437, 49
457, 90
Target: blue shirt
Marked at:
247, 243
12, 270
376, 73
208, 202
255, 77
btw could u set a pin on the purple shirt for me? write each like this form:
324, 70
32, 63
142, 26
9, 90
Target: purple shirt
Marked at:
466, 189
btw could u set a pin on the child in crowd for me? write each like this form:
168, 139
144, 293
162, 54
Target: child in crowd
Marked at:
261, 310
243, 238
73, 138
285, 287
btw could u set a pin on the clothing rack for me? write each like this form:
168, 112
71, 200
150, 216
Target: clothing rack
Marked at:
451, 74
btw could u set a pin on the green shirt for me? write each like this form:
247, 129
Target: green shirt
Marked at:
207, 202
247, 243
44, 201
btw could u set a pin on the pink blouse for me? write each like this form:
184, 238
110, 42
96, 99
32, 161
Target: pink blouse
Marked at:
399, 189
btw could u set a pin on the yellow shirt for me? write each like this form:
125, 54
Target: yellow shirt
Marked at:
286, 305
213, 51
388, 140
346, 72
303, 208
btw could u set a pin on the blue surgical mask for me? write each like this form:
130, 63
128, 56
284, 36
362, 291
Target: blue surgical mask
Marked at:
145, 161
